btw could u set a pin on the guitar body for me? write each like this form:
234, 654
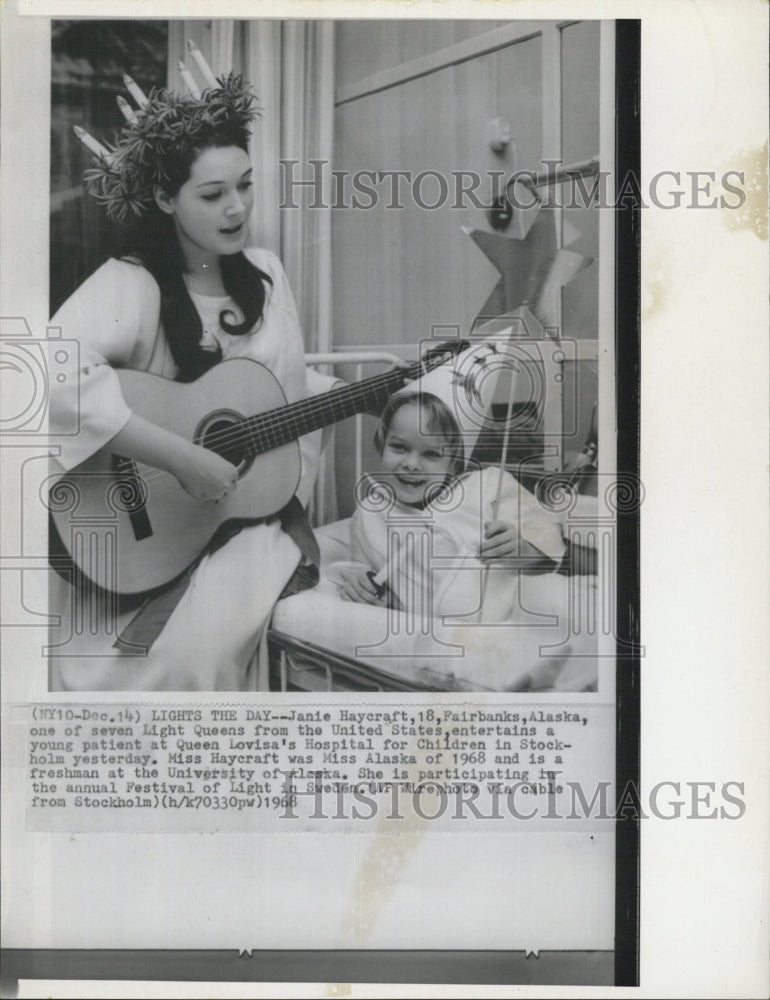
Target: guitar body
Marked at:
129, 527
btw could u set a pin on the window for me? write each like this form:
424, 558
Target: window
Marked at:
88, 60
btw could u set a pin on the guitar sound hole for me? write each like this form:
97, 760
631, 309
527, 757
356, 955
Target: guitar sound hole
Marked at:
220, 433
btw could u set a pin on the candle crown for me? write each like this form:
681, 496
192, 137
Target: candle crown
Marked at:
165, 124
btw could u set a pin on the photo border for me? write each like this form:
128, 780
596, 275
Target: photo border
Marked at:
627, 388
452, 966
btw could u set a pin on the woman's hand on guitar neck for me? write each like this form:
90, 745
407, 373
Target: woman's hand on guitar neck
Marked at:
200, 472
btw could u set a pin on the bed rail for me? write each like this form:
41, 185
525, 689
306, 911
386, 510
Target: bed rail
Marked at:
304, 665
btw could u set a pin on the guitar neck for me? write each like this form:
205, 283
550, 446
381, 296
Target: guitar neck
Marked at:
286, 423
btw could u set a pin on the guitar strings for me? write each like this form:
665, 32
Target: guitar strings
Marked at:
271, 420
275, 419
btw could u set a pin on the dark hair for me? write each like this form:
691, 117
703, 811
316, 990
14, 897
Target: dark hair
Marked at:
152, 243
441, 422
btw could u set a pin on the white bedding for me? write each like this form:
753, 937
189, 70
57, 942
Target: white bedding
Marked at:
492, 657
539, 653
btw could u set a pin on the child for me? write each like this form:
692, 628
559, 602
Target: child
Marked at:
428, 537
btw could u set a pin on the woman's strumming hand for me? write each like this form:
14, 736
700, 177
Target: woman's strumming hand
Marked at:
204, 474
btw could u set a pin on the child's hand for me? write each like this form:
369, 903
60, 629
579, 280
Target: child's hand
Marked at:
357, 586
500, 539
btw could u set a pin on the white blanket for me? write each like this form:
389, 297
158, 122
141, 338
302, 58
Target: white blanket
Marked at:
550, 646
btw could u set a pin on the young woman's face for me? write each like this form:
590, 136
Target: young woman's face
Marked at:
211, 210
412, 457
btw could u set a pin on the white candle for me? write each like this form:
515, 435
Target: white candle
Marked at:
128, 112
203, 66
90, 143
188, 81
134, 90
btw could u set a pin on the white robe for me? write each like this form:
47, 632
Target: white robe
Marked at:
210, 639
430, 557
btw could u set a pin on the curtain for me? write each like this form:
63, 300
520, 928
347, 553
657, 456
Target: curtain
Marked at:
291, 67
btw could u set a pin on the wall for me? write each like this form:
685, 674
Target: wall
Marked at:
418, 96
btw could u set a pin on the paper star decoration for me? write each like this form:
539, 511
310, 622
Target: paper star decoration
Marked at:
533, 269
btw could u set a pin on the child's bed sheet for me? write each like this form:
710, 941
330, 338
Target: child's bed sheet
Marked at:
539, 653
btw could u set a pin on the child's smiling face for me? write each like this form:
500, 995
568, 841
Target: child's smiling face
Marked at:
414, 459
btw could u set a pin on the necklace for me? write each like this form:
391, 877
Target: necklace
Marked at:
206, 281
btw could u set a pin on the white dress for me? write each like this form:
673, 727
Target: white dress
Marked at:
209, 642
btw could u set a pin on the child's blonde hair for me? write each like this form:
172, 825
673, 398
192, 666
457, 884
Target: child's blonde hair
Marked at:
440, 421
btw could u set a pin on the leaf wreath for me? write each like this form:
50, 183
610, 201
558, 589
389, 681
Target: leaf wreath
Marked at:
124, 180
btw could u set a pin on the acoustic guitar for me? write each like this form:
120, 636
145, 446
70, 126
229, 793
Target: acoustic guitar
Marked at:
129, 528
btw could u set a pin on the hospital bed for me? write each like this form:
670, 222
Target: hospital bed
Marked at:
319, 642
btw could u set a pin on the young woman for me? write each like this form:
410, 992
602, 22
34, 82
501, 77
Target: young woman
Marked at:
188, 293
